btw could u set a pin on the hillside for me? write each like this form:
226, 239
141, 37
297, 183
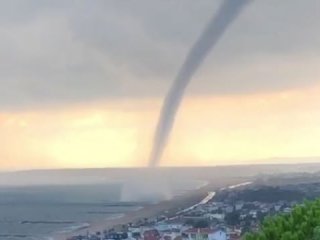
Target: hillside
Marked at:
303, 223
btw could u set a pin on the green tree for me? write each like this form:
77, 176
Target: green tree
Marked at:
303, 223
203, 223
233, 218
316, 234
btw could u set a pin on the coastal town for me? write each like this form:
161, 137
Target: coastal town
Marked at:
223, 215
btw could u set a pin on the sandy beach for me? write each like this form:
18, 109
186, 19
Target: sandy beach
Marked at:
170, 208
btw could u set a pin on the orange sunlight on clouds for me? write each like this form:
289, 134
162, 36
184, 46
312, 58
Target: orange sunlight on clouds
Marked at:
208, 131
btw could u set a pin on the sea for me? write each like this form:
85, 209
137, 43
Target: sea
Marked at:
38, 212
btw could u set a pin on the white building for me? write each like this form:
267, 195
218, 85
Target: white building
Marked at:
217, 216
229, 209
287, 210
277, 208
253, 213
170, 225
239, 206
205, 234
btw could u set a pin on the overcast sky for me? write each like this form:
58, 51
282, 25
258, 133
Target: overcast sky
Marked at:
82, 82
74, 51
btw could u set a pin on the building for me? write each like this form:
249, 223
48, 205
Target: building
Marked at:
205, 234
170, 226
229, 209
239, 206
152, 234
217, 216
116, 235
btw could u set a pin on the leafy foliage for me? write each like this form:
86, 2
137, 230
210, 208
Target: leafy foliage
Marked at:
303, 223
201, 224
232, 218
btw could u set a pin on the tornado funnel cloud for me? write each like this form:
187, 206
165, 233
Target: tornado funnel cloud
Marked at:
226, 14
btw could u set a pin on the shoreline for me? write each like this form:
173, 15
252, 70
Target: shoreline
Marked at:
176, 205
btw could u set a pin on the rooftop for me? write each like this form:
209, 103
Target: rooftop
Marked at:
201, 230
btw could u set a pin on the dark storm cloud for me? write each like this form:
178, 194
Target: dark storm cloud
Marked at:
71, 51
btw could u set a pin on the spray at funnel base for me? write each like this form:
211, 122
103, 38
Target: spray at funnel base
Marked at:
227, 13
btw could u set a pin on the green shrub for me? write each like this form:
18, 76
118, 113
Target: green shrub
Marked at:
303, 223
